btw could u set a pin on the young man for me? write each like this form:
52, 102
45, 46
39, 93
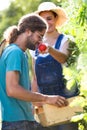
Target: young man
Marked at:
15, 94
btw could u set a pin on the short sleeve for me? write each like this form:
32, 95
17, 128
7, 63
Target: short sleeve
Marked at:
14, 61
65, 44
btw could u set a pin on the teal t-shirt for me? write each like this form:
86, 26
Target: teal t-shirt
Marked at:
12, 109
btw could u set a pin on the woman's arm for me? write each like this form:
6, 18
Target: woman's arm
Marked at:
60, 56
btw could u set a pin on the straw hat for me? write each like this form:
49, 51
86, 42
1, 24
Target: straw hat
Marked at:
49, 6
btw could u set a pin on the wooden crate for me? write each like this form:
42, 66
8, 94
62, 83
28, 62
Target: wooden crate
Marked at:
50, 115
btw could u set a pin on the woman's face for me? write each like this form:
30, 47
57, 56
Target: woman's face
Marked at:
51, 20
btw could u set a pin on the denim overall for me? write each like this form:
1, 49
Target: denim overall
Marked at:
49, 75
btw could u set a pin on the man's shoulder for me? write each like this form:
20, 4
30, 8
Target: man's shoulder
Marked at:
13, 49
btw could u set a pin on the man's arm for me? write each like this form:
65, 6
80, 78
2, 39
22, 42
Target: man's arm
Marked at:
16, 91
34, 86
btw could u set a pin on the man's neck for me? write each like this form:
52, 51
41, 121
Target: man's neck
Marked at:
21, 42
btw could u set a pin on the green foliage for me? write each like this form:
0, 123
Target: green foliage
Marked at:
10, 17
77, 28
74, 53
82, 15
81, 117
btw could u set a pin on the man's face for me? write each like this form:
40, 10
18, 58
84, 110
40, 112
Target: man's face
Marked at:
34, 40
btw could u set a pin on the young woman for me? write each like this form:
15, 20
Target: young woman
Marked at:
48, 74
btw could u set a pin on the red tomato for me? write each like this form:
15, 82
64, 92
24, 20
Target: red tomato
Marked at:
42, 47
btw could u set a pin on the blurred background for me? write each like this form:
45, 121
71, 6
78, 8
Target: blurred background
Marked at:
75, 73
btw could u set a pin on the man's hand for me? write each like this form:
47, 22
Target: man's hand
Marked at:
57, 100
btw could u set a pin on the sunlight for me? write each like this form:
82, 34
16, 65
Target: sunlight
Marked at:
4, 4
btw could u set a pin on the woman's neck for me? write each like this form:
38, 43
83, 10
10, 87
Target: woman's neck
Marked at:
53, 34
51, 38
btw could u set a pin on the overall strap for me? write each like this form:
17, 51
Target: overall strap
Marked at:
58, 42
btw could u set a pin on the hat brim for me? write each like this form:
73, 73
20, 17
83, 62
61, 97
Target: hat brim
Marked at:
62, 17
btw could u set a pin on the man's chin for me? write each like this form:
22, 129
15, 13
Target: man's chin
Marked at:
31, 47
